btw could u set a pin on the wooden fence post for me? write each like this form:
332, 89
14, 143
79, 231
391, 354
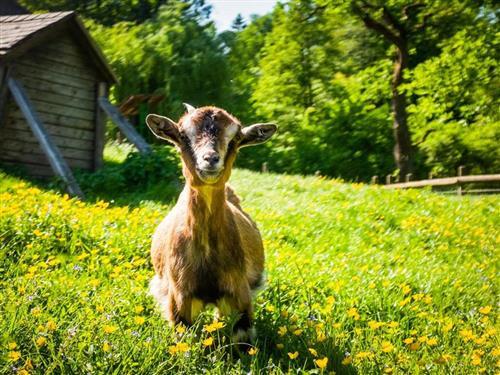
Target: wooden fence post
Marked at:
374, 180
460, 174
388, 179
264, 167
408, 177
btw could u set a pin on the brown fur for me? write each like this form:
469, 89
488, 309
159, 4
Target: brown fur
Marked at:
207, 248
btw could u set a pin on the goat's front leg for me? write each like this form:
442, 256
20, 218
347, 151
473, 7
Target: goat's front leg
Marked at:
241, 303
183, 309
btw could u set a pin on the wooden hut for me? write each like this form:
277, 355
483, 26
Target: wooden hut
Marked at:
53, 91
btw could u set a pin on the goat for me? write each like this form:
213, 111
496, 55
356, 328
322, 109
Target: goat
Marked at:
207, 249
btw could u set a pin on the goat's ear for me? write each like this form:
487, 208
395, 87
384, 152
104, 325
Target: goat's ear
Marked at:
257, 133
164, 128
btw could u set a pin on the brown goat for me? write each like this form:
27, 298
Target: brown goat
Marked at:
207, 249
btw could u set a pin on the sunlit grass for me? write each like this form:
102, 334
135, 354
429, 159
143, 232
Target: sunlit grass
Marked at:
360, 279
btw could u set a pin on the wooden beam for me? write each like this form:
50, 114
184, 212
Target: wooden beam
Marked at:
100, 126
124, 125
57, 162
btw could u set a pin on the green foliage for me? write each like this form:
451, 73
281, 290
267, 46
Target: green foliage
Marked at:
373, 280
176, 54
314, 68
106, 12
137, 171
455, 114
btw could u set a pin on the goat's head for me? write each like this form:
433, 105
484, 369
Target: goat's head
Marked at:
208, 139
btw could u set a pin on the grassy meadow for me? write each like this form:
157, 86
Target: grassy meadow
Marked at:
361, 280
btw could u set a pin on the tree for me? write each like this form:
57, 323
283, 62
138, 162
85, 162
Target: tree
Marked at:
238, 23
409, 25
105, 12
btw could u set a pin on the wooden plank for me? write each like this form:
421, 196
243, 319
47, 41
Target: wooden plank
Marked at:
68, 101
56, 160
15, 125
449, 181
23, 69
63, 142
61, 109
49, 80
56, 119
67, 66
61, 54
100, 127
124, 125
58, 132
60, 88
30, 147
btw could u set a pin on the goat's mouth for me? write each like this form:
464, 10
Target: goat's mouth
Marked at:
209, 175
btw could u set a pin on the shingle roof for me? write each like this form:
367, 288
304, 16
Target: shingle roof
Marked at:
14, 29
19, 33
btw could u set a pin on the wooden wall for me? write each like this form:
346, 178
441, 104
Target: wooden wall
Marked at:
61, 85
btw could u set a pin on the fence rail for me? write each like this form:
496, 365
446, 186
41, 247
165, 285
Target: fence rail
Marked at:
458, 181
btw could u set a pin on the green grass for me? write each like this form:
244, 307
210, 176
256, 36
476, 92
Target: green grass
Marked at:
376, 281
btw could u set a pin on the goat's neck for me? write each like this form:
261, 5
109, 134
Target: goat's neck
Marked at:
206, 205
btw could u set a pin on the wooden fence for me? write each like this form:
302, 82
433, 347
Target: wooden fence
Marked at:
457, 182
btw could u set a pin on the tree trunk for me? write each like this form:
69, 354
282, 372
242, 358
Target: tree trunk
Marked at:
403, 154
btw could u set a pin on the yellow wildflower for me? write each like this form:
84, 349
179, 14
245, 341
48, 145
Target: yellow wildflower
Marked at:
280, 346
180, 329
297, 332
138, 309
213, 327
321, 363
447, 327
432, 341
106, 347
110, 329
41, 341
253, 351
408, 340
375, 325
467, 334
387, 347
347, 360
208, 341
485, 310
139, 320
14, 356
353, 313
282, 330
51, 325
293, 355
182, 347
12, 345
364, 355
313, 352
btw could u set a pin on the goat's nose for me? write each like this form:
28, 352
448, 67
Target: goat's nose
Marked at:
212, 158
